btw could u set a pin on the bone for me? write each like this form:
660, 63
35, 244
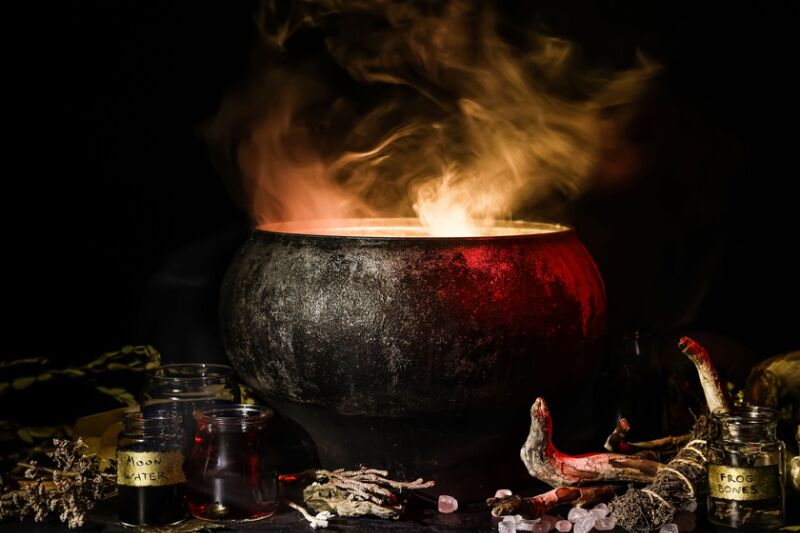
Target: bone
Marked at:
716, 398
557, 469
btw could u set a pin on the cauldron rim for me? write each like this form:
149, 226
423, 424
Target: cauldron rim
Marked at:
281, 229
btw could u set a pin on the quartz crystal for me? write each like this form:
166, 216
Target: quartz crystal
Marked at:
605, 524
542, 527
668, 528
507, 527
600, 510
587, 521
526, 525
580, 528
447, 504
563, 525
576, 513
502, 493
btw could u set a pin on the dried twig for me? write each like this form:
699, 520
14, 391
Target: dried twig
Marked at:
315, 522
538, 506
616, 441
546, 463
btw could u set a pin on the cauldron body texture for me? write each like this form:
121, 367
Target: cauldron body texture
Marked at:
420, 354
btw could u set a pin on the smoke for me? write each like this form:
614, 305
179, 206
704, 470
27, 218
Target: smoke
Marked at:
416, 109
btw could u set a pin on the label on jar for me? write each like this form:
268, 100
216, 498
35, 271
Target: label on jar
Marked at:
743, 483
149, 469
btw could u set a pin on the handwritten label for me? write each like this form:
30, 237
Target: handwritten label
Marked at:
743, 484
149, 469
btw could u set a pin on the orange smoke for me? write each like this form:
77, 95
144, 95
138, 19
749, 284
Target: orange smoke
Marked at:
439, 119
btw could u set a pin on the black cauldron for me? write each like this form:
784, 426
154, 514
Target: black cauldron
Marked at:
415, 353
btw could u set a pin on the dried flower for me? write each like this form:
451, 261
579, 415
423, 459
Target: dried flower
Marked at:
73, 486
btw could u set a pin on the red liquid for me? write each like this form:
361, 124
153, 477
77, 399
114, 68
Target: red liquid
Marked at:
230, 476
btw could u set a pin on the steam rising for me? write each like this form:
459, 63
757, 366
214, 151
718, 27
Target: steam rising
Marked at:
420, 109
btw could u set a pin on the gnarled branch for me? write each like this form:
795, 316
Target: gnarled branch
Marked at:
546, 463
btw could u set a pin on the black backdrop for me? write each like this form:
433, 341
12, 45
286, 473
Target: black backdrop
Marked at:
107, 178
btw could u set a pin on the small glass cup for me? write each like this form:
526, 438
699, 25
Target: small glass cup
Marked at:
231, 475
184, 387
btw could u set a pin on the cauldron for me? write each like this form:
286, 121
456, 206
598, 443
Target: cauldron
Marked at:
419, 354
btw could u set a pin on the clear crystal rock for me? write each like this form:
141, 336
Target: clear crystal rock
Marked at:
563, 525
669, 528
526, 525
518, 518
502, 493
581, 528
542, 526
509, 518
587, 521
576, 513
447, 504
600, 510
507, 527
607, 523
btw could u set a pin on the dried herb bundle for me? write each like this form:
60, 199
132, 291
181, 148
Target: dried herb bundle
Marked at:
71, 487
675, 486
362, 492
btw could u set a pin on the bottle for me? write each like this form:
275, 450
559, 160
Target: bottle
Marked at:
746, 470
635, 387
150, 477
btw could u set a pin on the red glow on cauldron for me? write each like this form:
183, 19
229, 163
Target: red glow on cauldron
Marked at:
497, 272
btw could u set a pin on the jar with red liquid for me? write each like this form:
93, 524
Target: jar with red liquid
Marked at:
232, 475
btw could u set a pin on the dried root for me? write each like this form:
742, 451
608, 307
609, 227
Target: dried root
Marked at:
546, 463
362, 492
538, 506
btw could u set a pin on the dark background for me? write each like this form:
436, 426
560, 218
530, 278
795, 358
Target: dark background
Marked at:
117, 226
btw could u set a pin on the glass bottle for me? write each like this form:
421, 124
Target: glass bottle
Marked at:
746, 470
185, 387
634, 385
232, 475
150, 478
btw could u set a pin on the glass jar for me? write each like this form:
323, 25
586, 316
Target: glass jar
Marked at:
746, 470
185, 387
150, 478
232, 475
